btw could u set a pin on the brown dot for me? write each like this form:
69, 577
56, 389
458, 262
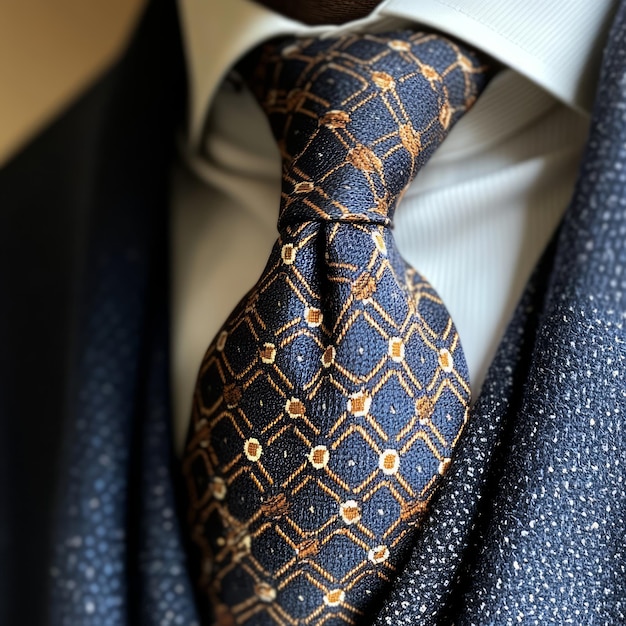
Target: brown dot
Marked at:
218, 488
265, 592
221, 340
350, 512
410, 139
396, 349
379, 554
364, 286
335, 119
304, 186
313, 317
276, 507
383, 80
288, 254
318, 457
334, 597
444, 465
389, 462
359, 404
464, 62
445, 360
399, 46
379, 242
252, 449
295, 408
308, 548
241, 543
232, 395
424, 407
382, 205
364, 159
268, 353
430, 73
328, 357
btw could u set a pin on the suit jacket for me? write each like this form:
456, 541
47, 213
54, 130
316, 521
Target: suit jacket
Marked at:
527, 526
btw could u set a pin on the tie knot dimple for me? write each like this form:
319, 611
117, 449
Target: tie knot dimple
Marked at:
356, 117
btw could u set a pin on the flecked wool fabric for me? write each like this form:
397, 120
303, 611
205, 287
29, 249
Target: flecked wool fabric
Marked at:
529, 526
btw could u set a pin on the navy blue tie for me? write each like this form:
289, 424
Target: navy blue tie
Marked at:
329, 404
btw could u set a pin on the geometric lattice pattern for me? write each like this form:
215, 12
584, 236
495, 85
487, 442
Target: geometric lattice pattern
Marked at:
329, 404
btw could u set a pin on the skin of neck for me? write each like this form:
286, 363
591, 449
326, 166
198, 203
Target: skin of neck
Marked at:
322, 11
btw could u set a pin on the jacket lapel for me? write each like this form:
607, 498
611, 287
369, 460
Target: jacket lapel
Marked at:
528, 526
118, 556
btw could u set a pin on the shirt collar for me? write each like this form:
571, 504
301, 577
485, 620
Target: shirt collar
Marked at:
217, 34
557, 44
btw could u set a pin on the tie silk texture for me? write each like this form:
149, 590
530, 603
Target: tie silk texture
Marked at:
328, 406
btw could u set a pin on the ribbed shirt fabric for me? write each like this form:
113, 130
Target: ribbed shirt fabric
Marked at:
474, 222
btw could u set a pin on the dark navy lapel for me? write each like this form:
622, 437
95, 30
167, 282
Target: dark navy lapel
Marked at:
529, 524
118, 555
84, 388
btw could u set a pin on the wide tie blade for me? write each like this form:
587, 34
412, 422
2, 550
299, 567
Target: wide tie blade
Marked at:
329, 405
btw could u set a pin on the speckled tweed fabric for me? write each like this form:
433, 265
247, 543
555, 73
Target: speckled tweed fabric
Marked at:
530, 525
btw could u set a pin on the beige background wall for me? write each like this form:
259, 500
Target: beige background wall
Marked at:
50, 50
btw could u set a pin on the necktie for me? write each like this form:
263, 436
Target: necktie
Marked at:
329, 404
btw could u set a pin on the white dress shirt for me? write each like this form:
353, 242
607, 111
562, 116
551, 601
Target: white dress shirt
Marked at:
474, 222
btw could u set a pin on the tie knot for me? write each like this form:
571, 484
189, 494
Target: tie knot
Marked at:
356, 117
